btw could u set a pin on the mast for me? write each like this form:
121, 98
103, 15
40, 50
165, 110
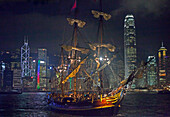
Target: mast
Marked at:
76, 23
101, 39
62, 66
101, 15
74, 54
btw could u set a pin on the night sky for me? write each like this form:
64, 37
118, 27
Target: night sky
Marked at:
45, 24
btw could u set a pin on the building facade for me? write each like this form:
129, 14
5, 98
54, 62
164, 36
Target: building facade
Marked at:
152, 79
129, 45
8, 80
17, 81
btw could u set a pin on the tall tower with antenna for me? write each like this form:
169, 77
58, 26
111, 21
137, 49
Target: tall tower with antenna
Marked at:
162, 65
129, 45
25, 54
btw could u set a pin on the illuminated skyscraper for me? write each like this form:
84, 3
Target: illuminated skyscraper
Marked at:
42, 69
152, 72
162, 67
25, 66
129, 45
25, 54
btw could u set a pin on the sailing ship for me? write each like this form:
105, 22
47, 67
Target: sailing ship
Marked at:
96, 100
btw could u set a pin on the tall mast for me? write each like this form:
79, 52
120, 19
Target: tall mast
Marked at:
100, 28
76, 23
75, 44
100, 15
62, 66
101, 39
74, 52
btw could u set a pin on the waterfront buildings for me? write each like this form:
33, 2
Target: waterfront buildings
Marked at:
11, 72
162, 65
6, 73
129, 45
17, 81
8, 80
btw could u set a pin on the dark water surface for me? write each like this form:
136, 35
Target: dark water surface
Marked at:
142, 104
34, 104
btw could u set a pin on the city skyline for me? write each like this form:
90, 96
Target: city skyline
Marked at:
45, 24
84, 58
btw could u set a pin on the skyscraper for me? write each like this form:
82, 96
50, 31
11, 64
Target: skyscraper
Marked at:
25, 54
129, 45
162, 66
25, 66
152, 71
42, 69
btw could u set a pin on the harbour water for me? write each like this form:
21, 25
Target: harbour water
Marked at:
34, 104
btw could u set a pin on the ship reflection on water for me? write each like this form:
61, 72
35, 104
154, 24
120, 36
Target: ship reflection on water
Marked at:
34, 104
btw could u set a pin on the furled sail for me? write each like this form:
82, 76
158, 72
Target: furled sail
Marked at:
74, 72
108, 46
79, 22
97, 14
69, 48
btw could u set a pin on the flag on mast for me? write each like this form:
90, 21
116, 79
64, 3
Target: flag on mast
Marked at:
74, 6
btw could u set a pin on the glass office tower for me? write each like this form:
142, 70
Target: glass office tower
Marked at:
129, 45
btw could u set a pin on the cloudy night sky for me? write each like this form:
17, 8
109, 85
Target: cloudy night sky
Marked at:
45, 24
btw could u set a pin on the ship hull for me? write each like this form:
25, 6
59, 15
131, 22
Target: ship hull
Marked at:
106, 107
102, 111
